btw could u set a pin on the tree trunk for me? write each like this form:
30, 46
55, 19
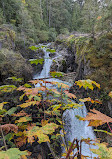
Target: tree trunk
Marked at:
49, 14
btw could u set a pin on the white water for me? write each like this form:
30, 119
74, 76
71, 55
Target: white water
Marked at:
74, 127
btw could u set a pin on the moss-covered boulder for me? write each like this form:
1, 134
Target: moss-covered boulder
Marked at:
13, 64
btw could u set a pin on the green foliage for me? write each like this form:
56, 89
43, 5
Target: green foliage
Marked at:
87, 83
36, 61
7, 88
51, 50
103, 152
52, 34
26, 130
56, 74
11, 111
12, 153
15, 79
27, 85
34, 48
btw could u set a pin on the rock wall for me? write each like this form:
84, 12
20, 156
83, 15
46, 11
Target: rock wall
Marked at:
90, 60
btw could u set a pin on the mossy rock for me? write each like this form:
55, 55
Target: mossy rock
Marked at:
13, 64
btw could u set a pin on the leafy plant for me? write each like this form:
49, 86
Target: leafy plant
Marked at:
50, 104
12, 153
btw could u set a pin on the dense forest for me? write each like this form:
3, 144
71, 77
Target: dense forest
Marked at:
43, 20
76, 35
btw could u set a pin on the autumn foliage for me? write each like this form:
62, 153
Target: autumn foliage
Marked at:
50, 103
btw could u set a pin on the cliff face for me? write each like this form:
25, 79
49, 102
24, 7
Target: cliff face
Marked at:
90, 59
14, 56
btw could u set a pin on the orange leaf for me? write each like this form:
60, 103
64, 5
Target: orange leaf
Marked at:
44, 122
95, 123
55, 91
95, 115
99, 17
21, 113
24, 105
70, 94
21, 141
34, 81
9, 127
90, 100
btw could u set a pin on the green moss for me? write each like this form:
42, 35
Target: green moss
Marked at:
13, 64
101, 61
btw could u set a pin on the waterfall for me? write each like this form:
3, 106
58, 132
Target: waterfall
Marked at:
78, 129
74, 127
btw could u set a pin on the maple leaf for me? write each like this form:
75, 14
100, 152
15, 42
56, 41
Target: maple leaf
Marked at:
34, 91
12, 153
16, 79
55, 91
21, 97
44, 122
21, 113
21, 88
7, 88
36, 61
87, 83
49, 128
55, 107
34, 81
42, 137
56, 74
97, 116
21, 141
103, 152
62, 85
41, 132
9, 127
24, 105
23, 119
27, 85
70, 95
34, 48
51, 50
90, 100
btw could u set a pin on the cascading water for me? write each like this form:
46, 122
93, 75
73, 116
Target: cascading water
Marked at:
74, 127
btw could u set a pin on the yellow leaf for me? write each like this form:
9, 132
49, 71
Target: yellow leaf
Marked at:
90, 100
62, 85
41, 133
42, 137
21, 97
55, 107
2, 104
87, 83
95, 123
103, 152
49, 128
23, 157
110, 94
24, 105
23, 119
44, 122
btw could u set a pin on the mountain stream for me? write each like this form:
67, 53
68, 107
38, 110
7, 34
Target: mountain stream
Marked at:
74, 127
